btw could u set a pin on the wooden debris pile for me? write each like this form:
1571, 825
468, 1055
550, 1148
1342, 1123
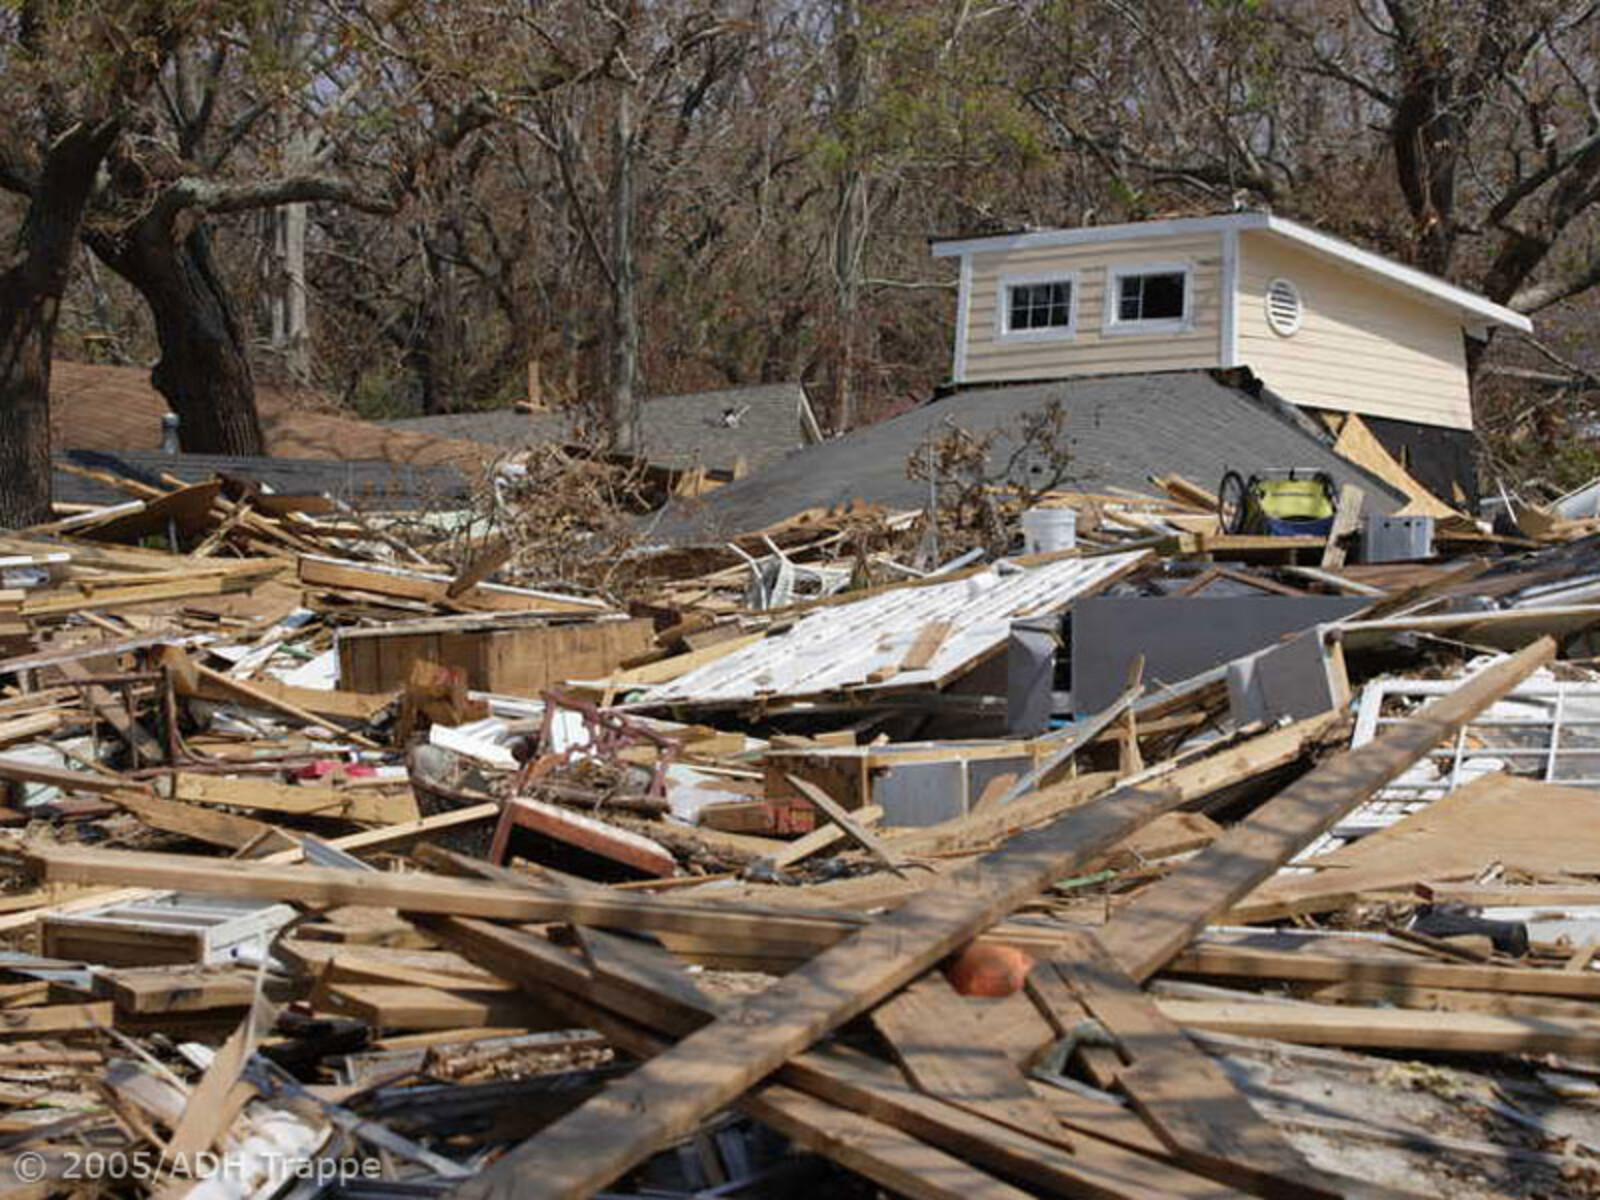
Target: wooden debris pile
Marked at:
795, 871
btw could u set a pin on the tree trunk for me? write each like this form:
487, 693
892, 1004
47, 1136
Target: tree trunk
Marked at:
27, 330
31, 287
624, 286
849, 224
433, 352
204, 372
291, 340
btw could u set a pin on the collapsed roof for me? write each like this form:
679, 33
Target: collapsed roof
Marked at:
752, 426
1120, 428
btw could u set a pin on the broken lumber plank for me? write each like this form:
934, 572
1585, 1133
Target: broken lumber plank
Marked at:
876, 1149
819, 839
408, 1006
56, 1020
403, 831
1185, 1097
67, 780
1080, 735
1149, 931
368, 805
324, 703
1346, 518
1243, 962
667, 1096
835, 812
489, 557
1510, 895
249, 694
204, 824
344, 967
645, 985
216, 1101
1387, 1028
140, 990
317, 571
327, 886
940, 1043
926, 644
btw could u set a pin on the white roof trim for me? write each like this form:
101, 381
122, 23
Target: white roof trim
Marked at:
1464, 302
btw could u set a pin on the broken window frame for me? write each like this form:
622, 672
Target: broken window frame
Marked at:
1486, 738
1115, 324
1009, 284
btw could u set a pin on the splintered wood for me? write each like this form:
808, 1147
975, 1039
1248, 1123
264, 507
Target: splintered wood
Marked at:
343, 833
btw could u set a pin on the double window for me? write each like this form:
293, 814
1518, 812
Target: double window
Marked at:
1148, 298
1038, 307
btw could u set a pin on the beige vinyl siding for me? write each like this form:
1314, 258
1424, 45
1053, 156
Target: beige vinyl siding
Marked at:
1364, 345
1090, 352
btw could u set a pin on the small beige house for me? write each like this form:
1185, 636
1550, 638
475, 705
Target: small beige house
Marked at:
1321, 322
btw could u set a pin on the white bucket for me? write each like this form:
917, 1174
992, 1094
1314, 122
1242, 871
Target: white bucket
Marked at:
1046, 530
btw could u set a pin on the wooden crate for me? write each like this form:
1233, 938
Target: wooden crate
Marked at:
509, 657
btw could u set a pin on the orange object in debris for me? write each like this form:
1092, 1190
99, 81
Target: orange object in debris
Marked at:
987, 970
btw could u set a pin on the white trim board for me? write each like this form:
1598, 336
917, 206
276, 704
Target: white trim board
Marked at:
1463, 301
1228, 335
958, 369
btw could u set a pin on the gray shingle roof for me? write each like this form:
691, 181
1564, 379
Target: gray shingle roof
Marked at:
712, 429
1121, 429
371, 484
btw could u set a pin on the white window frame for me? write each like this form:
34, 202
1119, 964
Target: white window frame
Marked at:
1112, 325
1054, 333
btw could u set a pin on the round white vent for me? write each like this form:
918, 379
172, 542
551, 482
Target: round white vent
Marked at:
1283, 307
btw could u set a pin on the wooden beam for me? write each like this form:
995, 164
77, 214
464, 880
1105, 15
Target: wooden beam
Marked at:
142, 990
330, 886
56, 1020
1509, 895
1388, 1028
253, 696
1251, 759
68, 781
668, 1096
204, 824
402, 1006
1148, 932
1243, 962
819, 839
310, 800
1185, 1097
873, 1148
648, 987
1346, 517
939, 1041
836, 813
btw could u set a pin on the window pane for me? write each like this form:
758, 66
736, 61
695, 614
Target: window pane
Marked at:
1128, 304
1040, 305
1163, 297
1157, 297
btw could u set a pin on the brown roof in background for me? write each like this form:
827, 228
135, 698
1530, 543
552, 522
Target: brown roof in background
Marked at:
94, 407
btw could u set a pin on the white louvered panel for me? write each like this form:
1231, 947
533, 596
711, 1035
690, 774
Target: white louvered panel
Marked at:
841, 647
